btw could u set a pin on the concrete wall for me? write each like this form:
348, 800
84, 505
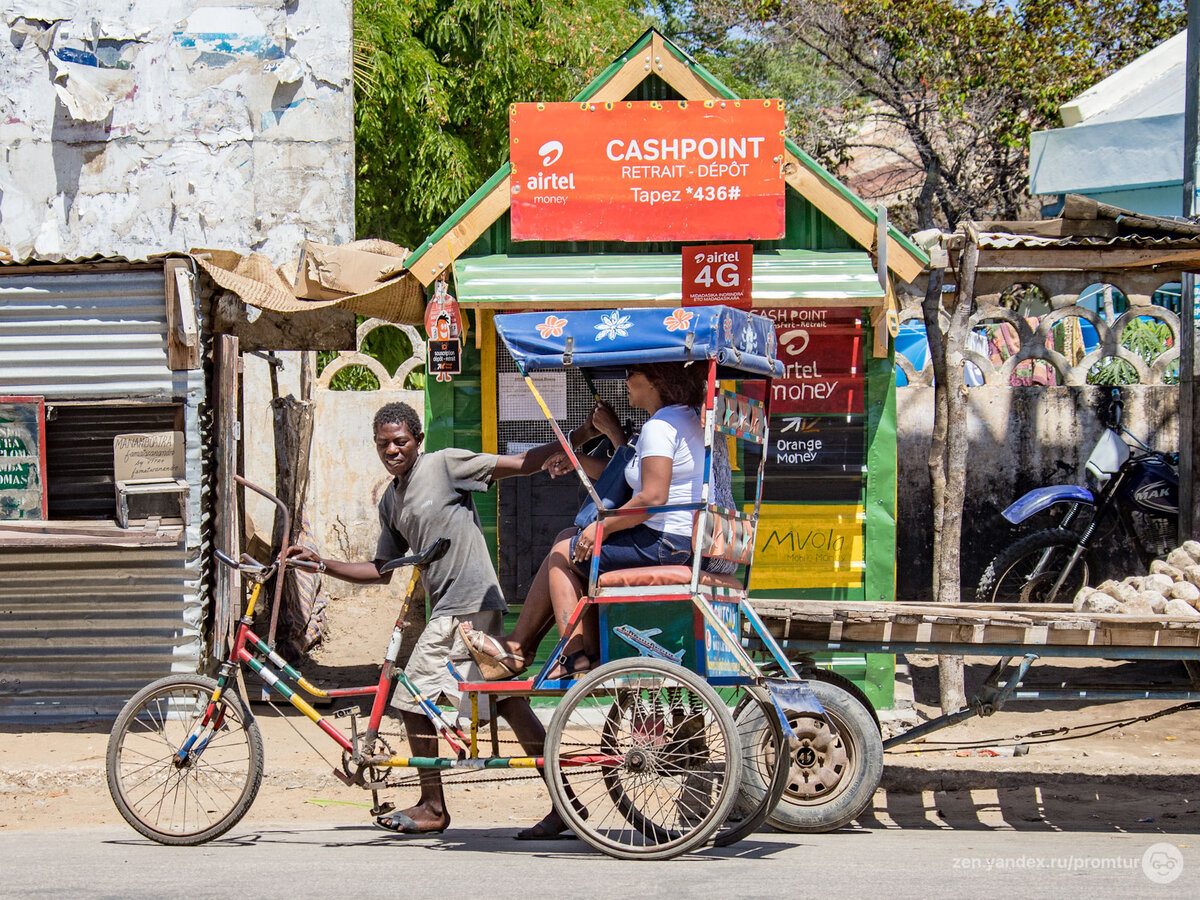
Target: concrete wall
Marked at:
1021, 438
133, 127
346, 478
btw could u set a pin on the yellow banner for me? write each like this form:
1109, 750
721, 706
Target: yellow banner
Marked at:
801, 546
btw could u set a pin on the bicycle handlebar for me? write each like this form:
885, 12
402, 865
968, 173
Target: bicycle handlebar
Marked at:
434, 551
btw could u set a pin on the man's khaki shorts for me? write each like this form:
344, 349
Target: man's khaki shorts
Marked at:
438, 644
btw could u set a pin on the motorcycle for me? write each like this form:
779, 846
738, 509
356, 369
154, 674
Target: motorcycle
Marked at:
1132, 488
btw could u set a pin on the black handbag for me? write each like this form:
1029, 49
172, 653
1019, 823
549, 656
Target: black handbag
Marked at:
611, 487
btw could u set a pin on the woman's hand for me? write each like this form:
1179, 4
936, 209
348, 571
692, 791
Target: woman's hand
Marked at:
604, 420
585, 543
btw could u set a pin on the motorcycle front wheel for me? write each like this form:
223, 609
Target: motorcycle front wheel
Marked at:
1027, 571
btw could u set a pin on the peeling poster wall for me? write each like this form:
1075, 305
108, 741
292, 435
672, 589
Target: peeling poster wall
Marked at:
131, 127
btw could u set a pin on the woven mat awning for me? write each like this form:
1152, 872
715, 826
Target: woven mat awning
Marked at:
255, 280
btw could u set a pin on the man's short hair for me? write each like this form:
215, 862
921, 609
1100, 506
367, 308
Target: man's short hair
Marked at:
398, 414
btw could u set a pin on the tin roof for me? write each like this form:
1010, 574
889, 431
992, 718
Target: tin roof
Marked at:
780, 278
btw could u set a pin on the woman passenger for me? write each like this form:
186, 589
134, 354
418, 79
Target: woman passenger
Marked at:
667, 468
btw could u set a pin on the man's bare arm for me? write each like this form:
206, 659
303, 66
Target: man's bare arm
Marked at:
525, 463
353, 572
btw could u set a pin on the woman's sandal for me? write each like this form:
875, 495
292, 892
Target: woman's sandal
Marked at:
569, 662
495, 663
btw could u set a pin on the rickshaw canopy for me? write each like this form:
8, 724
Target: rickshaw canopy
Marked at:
615, 338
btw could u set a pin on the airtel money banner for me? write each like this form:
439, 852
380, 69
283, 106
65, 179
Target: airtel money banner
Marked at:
647, 171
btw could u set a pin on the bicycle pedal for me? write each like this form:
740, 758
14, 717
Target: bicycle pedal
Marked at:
343, 777
382, 809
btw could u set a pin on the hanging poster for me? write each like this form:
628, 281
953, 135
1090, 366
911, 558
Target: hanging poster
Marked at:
822, 354
647, 171
808, 546
517, 403
813, 458
22, 458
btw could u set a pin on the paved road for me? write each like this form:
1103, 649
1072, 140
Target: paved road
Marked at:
309, 862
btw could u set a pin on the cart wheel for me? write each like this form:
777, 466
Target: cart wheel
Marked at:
642, 759
834, 772
765, 774
202, 796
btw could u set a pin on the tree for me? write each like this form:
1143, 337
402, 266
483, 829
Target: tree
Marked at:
434, 81
954, 88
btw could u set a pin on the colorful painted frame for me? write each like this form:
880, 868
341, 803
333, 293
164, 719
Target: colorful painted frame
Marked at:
22, 467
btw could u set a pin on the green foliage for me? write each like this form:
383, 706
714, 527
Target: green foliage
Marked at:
435, 79
1148, 338
946, 92
387, 344
763, 63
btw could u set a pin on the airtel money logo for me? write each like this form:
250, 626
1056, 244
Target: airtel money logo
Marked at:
550, 152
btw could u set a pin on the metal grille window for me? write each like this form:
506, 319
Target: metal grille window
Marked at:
521, 424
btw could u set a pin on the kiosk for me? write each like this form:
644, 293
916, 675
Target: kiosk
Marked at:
600, 200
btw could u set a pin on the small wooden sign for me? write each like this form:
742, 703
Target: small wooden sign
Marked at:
148, 456
22, 458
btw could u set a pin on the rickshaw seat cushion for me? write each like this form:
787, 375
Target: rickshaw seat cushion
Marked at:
655, 576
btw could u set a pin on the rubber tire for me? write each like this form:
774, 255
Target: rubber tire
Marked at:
562, 798
1037, 542
829, 677
856, 788
241, 727
757, 723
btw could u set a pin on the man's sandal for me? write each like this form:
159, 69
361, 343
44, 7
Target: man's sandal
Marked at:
495, 663
401, 823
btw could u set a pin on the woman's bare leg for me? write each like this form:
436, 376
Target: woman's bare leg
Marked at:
537, 612
566, 589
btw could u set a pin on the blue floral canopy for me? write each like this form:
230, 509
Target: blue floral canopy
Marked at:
613, 338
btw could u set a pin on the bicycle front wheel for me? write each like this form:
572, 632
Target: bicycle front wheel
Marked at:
192, 797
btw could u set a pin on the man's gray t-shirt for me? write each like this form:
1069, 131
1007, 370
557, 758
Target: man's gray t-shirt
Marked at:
435, 501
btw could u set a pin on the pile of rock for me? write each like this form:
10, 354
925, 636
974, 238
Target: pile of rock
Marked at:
1172, 589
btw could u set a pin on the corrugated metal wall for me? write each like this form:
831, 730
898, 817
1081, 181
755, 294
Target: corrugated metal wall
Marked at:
82, 629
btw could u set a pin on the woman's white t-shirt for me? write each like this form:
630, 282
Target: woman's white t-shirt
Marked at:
673, 432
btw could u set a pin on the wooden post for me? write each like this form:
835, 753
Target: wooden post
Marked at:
293, 425
1189, 397
228, 605
948, 446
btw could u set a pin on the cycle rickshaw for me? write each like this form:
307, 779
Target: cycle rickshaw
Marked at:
678, 738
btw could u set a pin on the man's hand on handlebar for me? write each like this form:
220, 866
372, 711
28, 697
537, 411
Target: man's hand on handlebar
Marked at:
306, 558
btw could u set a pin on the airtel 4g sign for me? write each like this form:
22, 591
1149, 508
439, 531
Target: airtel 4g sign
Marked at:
718, 273
647, 171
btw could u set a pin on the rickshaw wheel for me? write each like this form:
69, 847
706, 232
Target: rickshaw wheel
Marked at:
643, 759
765, 771
834, 771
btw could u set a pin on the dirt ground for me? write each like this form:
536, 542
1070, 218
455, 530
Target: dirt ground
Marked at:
1141, 777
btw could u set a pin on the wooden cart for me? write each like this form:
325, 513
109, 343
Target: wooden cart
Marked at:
1019, 634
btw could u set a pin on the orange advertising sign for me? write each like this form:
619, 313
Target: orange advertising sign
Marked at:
647, 171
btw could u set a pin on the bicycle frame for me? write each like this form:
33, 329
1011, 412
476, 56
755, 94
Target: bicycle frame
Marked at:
250, 650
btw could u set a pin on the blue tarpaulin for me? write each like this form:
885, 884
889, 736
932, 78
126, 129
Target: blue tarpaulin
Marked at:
612, 338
